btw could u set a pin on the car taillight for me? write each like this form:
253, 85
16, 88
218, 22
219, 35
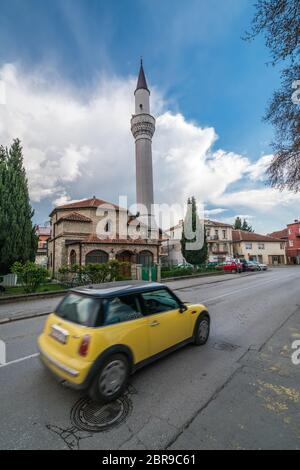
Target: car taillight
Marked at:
84, 346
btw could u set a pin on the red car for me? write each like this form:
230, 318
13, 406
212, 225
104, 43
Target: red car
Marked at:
231, 266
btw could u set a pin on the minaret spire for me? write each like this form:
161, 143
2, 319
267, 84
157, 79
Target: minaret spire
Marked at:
142, 128
142, 82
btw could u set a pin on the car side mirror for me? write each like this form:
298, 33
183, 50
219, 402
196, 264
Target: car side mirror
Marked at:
182, 308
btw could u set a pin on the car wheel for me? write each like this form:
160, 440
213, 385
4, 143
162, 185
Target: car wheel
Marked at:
111, 379
201, 332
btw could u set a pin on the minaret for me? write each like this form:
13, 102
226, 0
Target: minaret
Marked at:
142, 128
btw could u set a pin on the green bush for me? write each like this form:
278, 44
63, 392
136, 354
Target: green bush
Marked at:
92, 273
30, 275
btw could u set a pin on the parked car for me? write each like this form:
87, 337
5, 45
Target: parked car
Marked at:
184, 265
249, 265
230, 266
261, 266
212, 264
99, 335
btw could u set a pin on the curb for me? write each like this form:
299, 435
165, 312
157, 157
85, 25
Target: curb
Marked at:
26, 297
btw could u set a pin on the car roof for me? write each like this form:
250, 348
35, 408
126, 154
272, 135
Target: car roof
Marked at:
109, 289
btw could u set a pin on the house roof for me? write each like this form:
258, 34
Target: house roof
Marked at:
244, 236
94, 239
207, 222
283, 234
215, 223
74, 217
93, 202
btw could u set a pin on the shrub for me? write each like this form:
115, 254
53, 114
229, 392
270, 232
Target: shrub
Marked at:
94, 273
30, 275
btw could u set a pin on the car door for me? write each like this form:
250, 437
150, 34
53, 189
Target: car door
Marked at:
124, 323
168, 325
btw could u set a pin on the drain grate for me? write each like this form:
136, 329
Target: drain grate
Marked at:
225, 346
90, 416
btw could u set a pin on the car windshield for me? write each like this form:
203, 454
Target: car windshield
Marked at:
80, 309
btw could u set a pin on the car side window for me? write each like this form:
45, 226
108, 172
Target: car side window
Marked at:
158, 301
120, 309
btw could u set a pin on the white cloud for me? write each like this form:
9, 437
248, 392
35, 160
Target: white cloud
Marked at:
257, 171
77, 143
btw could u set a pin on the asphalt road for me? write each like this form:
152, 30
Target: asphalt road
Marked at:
240, 390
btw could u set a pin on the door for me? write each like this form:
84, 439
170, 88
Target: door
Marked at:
167, 326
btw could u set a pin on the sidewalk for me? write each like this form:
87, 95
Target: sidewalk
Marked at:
259, 407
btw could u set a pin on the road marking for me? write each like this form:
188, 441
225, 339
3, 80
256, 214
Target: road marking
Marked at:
21, 359
244, 288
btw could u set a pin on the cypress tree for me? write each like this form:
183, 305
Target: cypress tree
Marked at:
198, 256
17, 234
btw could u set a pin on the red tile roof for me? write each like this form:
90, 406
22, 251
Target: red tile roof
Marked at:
93, 238
74, 217
244, 236
283, 234
84, 204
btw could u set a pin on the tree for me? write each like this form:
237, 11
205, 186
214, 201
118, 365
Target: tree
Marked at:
279, 22
18, 241
246, 227
198, 255
237, 223
30, 275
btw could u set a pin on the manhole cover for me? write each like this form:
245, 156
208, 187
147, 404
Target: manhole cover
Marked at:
89, 416
225, 346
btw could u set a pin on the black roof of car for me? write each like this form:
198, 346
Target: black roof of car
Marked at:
109, 289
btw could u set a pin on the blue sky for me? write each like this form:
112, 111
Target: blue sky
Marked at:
196, 64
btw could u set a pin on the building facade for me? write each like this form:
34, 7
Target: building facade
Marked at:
293, 246
219, 241
255, 247
94, 231
43, 234
88, 231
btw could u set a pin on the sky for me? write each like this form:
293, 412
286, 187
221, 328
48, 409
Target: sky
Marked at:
68, 70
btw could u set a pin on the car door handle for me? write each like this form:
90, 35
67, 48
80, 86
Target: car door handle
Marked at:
155, 323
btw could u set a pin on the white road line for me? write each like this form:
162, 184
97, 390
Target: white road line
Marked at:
245, 288
19, 360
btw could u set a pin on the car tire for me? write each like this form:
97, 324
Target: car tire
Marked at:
201, 331
111, 379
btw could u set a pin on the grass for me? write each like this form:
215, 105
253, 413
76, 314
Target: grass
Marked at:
19, 290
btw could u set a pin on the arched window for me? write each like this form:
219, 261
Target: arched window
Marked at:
73, 257
96, 256
145, 258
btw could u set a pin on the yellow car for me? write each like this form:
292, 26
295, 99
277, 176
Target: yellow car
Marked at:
99, 335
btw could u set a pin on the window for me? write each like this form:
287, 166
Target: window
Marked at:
282, 246
291, 242
96, 256
290, 231
73, 257
261, 246
248, 246
224, 234
79, 309
159, 301
208, 232
216, 233
120, 309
